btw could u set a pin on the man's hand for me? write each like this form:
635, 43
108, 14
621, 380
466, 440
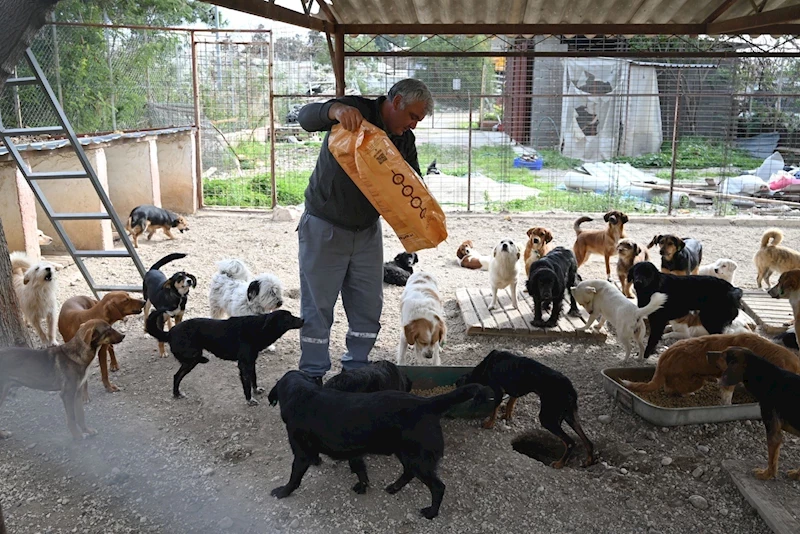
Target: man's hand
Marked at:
349, 117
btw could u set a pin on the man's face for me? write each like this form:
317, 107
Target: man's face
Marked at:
401, 120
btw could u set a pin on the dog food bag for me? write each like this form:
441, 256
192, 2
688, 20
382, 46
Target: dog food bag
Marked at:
375, 165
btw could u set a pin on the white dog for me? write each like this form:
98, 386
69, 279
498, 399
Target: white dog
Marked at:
235, 292
690, 326
604, 301
35, 286
722, 268
504, 270
423, 319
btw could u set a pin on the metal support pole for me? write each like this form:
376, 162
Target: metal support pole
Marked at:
675, 119
469, 154
197, 121
273, 180
338, 62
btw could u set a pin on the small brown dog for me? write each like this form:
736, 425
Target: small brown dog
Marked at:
599, 241
788, 287
468, 259
684, 368
537, 245
113, 307
629, 253
774, 257
147, 219
61, 368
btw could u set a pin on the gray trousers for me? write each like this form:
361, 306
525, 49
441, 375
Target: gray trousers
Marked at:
332, 261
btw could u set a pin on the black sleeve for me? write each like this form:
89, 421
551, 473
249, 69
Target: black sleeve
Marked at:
314, 117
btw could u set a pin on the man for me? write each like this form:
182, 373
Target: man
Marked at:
341, 242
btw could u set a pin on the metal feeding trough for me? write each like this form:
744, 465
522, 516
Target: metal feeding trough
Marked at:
658, 415
428, 377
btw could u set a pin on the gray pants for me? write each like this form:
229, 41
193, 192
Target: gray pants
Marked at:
334, 260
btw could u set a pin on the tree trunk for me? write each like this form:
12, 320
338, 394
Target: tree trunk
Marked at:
2, 523
12, 329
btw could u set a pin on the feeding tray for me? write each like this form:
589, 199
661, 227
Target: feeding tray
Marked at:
431, 376
658, 415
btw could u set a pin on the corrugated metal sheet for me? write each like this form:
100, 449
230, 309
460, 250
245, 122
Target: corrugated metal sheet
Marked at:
94, 140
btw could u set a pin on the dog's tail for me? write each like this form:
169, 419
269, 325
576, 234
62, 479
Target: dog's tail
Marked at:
656, 383
155, 326
441, 403
235, 269
166, 259
578, 223
657, 302
774, 234
21, 261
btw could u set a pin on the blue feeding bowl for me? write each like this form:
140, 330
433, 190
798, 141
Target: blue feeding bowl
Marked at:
534, 165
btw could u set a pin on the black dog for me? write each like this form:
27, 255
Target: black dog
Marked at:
382, 375
397, 271
169, 295
550, 276
715, 299
506, 372
346, 426
681, 256
148, 218
238, 339
778, 395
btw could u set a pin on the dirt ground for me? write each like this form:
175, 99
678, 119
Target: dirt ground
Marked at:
208, 462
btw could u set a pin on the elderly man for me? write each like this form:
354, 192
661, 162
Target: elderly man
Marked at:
341, 243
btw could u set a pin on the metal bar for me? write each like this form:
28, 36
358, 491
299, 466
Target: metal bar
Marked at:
156, 28
41, 130
582, 53
753, 22
675, 119
131, 289
101, 253
80, 216
522, 29
469, 154
719, 11
56, 175
198, 154
24, 80
273, 179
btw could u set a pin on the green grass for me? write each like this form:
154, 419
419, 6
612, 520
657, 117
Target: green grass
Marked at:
255, 191
680, 174
695, 153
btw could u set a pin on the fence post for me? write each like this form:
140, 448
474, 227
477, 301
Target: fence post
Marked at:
469, 153
675, 119
273, 181
197, 121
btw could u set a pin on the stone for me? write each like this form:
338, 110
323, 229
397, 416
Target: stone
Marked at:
666, 460
698, 502
703, 449
698, 472
282, 214
225, 523
605, 419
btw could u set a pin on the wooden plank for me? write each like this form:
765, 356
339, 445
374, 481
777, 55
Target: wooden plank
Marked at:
502, 319
517, 321
485, 316
468, 313
763, 496
526, 309
556, 329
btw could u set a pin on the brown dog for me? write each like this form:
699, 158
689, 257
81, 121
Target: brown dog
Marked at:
680, 256
468, 259
629, 253
537, 245
774, 257
113, 307
61, 368
788, 287
684, 368
602, 242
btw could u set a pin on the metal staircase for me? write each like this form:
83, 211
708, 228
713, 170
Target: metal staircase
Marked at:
87, 173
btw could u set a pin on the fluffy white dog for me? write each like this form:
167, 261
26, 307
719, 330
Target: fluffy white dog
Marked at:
504, 271
690, 326
722, 268
605, 302
423, 318
235, 292
35, 286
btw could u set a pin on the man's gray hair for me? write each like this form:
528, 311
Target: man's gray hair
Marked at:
412, 91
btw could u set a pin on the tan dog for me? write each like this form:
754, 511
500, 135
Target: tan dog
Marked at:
603, 242
537, 245
468, 259
788, 287
35, 286
63, 368
774, 257
113, 307
629, 253
684, 368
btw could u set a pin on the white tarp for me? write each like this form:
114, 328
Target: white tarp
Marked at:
592, 124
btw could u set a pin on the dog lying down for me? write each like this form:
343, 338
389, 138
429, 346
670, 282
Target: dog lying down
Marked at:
347, 426
382, 375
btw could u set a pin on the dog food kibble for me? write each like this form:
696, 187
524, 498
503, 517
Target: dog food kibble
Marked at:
438, 390
708, 395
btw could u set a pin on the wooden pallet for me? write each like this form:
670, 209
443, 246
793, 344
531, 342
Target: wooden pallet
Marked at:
765, 310
776, 500
507, 321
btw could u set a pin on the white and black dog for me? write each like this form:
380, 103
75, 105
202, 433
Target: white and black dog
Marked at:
235, 292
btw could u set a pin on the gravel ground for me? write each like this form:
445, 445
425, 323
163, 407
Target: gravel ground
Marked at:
207, 463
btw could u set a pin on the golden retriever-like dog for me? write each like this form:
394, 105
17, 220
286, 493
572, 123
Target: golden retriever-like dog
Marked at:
35, 286
423, 319
629, 253
538, 245
588, 242
773, 257
788, 287
684, 368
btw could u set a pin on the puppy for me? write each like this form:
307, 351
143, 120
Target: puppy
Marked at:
722, 268
506, 372
382, 375
169, 295
62, 368
235, 292
35, 286
684, 368
397, 271
113, 307
604, 301
690, 326
599, 241
629, 253
537, 245
716, 300
147, 218
469, 259
423, 319
549, 278
238, 339
679, 256
503, 271
788, 287
773, 257
778, 395
347, 426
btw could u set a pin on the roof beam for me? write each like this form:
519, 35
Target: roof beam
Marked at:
524, 29
268, 9
755, 22
719, 11
325, 8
